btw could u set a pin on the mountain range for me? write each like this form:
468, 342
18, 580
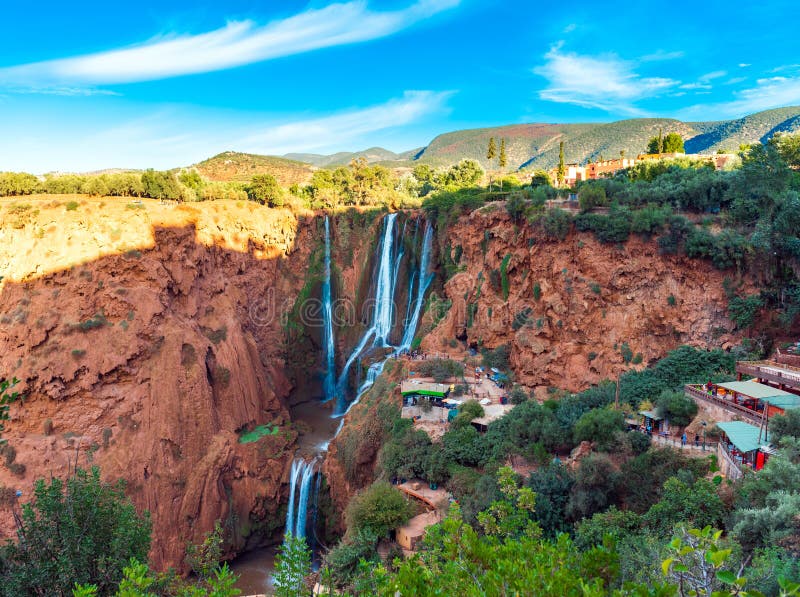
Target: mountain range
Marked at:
528, 146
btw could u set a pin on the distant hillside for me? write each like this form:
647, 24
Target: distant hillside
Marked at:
529, 146
233, 166
537, 145
372, 155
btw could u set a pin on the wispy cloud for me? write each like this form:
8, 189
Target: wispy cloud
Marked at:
662, 55
774, 92
605, 82
236, 44
344, 127
713, 75
167, 136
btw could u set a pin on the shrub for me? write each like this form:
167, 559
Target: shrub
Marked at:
671, 300
537, 291
71, 205
504, 276
47, 427
91, 524
677, 407
626, 352
599, 426
518, 395
378, 509
556, 224
465, 446
440, 370
497, 358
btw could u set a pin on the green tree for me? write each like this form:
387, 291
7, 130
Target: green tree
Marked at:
696, 504
380, 508
264, 189
540, 178
673, 143
601, 426
785, 425
677, 407
491, 151
204, 558
81, 531
656, 144
292, 565
561, 172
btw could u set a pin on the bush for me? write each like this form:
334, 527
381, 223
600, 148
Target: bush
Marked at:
441, 370
378, 509
599, 426
785, 425
71, 205
497, 358
591, 196
678, 408
596, 485
518, 395
556, 224
465, 446
80, 531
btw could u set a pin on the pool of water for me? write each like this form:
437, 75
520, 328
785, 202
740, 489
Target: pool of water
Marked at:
255, 571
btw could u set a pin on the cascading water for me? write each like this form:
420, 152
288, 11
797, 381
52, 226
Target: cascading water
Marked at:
390, 257
329, 385
301, 476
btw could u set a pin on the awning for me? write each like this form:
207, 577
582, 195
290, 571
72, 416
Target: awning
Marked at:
651, 414
753, 389
744, 436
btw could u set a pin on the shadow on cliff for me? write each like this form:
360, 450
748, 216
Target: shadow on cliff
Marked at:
152, 363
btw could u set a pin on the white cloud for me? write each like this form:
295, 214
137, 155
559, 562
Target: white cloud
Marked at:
744, 65
695, 86
774, 92
237, 43
605, 82
713, 75
735, 80
169, 135
329, 131
662, 55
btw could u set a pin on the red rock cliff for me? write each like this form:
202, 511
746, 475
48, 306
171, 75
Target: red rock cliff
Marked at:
145, 339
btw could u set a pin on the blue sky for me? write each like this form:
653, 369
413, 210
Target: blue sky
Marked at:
91, 85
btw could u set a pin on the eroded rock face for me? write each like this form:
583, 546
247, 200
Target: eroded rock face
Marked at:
573, 305
146, 355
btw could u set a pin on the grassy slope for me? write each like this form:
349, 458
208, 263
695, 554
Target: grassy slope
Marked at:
536, 145
241, 167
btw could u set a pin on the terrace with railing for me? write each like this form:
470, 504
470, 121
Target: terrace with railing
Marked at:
698, 392
773, 371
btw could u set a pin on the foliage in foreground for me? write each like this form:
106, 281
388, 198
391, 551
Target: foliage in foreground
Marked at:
79, 531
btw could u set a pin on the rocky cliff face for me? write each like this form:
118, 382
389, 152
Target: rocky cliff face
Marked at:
146, 339
573, 308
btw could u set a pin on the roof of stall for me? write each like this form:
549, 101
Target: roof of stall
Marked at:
753, 389
423, 388
744, 436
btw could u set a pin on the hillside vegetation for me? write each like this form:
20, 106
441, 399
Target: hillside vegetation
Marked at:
537, 145
241, 167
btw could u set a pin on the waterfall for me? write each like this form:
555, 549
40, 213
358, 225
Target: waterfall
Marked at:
423, 277
383, 307
329, 385
301, 476
390, 256
384, 291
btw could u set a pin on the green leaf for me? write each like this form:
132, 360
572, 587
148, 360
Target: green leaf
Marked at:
726, 576
665, 565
